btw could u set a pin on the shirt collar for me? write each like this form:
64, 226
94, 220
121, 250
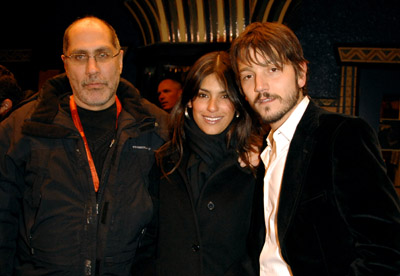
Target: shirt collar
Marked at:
286, 131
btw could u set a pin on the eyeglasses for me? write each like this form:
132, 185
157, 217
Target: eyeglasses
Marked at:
102, 57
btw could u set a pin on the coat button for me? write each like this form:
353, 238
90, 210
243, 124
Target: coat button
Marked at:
195, 247
210, 205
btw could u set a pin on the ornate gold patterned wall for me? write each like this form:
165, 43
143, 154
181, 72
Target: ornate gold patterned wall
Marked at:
351, 57
201, 20
369, 55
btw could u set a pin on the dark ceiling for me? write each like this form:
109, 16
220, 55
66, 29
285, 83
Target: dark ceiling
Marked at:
321, 26
38, 26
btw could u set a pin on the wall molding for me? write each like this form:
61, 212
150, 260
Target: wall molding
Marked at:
369, 55
351, 58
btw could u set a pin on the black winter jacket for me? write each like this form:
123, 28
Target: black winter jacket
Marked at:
207, 236
51, 220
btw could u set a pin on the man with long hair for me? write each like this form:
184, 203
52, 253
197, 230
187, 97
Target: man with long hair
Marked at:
324, 204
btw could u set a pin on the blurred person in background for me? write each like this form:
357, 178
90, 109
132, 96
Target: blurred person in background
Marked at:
10, 92
169, 91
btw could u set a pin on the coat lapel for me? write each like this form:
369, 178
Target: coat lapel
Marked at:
296, 166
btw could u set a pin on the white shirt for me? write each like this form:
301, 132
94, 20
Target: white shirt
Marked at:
274, 159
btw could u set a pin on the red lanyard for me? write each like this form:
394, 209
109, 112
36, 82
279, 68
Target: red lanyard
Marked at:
78, 125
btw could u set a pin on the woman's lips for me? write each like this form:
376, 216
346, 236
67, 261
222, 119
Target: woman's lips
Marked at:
212, 120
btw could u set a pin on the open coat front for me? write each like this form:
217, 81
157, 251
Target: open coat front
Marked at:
338, 212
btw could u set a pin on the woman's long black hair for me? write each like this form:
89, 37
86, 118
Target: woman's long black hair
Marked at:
242, 128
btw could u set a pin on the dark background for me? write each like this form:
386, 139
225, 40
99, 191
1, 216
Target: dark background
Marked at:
321, 26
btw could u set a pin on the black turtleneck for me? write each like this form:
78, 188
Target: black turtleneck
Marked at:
99, 128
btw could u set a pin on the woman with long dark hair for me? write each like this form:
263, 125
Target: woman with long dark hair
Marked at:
205, 196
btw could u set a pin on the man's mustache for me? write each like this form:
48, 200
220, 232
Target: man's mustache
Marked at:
264, 95
88, 82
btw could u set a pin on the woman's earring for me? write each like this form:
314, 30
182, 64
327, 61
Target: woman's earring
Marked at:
187, 113
237, 114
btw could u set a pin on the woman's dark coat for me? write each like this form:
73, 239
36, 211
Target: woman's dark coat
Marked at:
207, 236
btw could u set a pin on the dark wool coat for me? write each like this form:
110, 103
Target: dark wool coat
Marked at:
51, 220
338, 211
207, 237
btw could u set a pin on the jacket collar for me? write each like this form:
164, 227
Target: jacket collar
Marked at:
42, 118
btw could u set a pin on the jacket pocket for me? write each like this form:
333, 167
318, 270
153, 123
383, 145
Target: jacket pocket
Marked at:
33, 197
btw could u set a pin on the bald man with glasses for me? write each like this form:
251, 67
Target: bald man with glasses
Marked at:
76, 162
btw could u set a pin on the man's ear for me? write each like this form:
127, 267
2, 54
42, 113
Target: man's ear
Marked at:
302, 78
121, 59
5, 106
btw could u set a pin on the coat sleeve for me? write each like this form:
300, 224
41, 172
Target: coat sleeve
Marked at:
10, 198
366, 198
